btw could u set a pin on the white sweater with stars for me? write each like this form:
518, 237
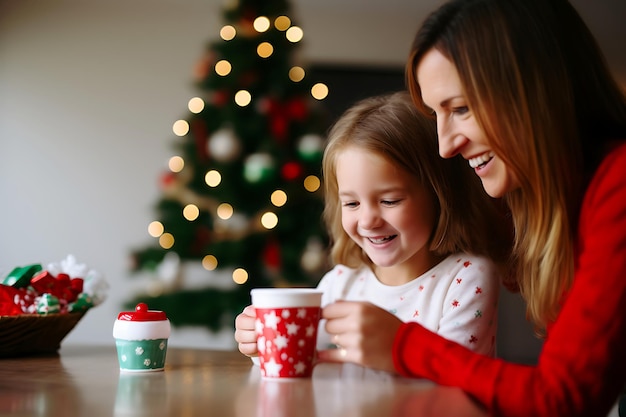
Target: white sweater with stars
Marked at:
457, 298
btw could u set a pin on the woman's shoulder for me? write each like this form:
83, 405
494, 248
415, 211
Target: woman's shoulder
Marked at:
611, 171
615, 155
605, 196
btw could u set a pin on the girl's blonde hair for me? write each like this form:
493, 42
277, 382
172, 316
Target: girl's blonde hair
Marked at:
391, 126
538, 86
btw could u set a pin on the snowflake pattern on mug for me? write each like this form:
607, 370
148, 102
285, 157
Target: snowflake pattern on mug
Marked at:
142, 355
286, 339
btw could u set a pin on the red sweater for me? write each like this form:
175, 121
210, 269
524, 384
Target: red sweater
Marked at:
582, 366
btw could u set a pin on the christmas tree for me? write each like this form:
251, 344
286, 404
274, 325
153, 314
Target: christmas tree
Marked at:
242, 197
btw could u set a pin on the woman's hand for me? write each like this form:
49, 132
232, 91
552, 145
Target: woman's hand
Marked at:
244, 331
363, 333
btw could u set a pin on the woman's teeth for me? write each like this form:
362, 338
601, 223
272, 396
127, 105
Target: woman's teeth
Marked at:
482, 159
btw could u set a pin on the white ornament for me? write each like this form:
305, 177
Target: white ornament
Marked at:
313, 257
224, 145
310, 146
257, 167
237, 223
169, 268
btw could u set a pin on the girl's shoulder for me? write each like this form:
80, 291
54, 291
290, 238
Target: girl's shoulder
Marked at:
344, 271
467, 263
465, 260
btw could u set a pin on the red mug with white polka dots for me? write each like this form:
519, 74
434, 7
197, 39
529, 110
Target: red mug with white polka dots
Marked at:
286, 327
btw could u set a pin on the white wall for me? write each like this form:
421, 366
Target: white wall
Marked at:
88, 93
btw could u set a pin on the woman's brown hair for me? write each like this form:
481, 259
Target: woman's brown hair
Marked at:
538, 86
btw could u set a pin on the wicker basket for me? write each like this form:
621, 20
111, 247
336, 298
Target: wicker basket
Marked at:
34, 334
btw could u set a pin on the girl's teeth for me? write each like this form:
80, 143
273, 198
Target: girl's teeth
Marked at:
479, 160
380, 239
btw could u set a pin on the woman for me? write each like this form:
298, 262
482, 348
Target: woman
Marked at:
520, 89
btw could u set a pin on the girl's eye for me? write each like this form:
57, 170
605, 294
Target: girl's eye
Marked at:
390, 202
350, 204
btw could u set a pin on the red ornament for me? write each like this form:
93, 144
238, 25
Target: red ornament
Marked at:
168, 179
201, 239
280, 115
203, 67
297, 109
219, 98
279, 127
248, 79
291, 171
271, 256
199, 130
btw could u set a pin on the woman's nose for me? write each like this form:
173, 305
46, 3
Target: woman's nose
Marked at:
450, 141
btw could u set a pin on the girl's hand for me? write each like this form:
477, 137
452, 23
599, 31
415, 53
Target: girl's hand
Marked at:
244, 331
363, 332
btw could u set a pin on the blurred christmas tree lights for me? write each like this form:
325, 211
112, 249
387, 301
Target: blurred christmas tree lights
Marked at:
242, 196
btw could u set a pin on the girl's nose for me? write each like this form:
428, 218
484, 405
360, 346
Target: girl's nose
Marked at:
369, 218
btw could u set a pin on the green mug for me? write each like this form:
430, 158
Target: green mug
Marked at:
141, 339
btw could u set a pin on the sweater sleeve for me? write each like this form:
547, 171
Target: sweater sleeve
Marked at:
582, 367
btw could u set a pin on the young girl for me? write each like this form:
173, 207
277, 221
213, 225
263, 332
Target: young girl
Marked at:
411, 233
520, 90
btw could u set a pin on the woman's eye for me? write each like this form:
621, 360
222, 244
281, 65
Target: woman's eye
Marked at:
461, 110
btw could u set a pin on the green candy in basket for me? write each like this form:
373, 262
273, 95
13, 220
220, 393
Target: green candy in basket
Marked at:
40, 305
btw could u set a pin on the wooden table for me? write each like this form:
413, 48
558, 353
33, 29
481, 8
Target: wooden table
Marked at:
86, 381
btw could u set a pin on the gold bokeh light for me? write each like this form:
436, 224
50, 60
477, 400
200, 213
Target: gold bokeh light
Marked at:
209, 262
319, 91
265, 49
228, 32
223, 68
195, 105
191, 212
296, 74
180, 127
278, 198
225, 211
166, 240
240, 276
176, 163
213, 178
294, 34
261, 24
282, 23
269, 220
155, 228
312, 183
243, 98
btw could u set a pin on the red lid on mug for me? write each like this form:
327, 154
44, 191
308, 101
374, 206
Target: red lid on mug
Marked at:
142, 313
